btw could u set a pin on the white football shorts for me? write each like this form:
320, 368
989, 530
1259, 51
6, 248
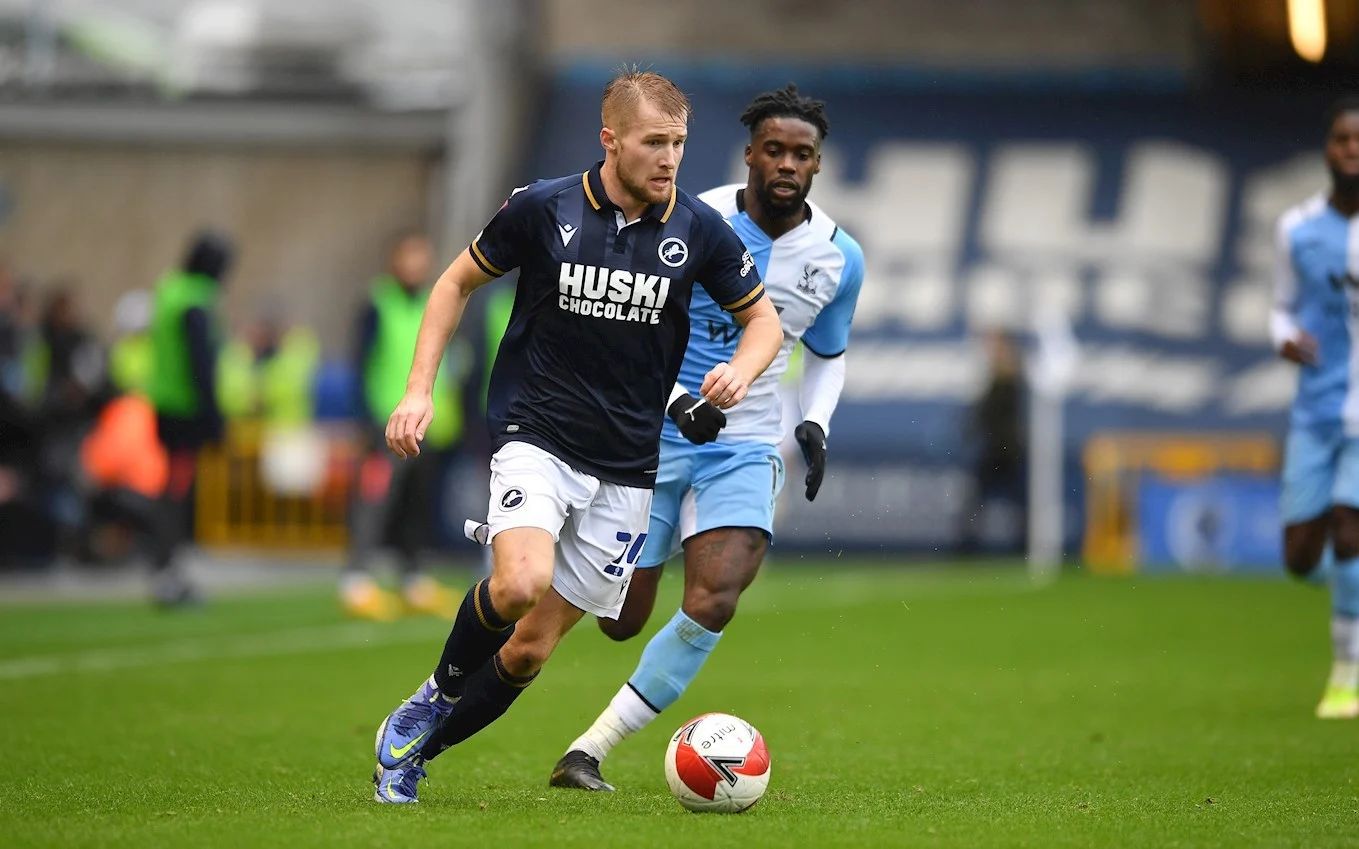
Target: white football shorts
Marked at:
599, 527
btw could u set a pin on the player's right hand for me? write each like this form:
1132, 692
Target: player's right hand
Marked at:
697, 420
1301, 350
407, 426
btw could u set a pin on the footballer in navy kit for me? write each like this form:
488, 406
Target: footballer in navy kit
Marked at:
721, 473
607, 261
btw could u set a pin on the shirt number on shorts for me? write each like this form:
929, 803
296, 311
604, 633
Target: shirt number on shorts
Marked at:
631, 552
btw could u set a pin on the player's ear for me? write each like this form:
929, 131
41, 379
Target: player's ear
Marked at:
816, 169
748, 153
609, 140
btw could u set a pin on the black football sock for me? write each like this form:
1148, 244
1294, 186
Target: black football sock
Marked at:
489, 693
478, 632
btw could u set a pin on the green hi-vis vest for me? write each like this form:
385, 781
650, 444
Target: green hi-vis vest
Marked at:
498, 310
172, 388
279, 390
389, 363
37, 368
132, 361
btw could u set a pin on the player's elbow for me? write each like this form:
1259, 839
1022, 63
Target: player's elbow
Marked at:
462, 277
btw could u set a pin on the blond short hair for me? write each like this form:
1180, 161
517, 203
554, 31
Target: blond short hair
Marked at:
630, 87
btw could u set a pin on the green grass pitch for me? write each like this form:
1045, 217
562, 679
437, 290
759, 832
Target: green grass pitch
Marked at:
902, 707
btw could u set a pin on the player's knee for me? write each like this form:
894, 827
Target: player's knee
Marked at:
1300, 559
522, 658
711, 608
1345, 535
1299, 567
622, 628
514, 593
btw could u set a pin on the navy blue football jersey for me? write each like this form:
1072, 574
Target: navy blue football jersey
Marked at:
601, 318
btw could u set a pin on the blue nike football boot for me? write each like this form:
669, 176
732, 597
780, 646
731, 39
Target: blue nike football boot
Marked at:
398, 786
401, 734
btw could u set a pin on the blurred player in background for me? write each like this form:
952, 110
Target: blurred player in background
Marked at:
1312, 324
996, 427
608, 261
715, 494
390, 498
185, 340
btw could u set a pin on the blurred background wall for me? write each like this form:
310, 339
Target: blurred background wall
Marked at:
1116, 165
970, 34
310, 222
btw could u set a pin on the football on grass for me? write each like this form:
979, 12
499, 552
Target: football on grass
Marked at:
717, 763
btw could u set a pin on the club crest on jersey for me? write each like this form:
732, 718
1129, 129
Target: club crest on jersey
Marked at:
673, 252
807, 285
612, 293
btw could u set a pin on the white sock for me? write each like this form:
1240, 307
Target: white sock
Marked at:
1345, 648
626, 715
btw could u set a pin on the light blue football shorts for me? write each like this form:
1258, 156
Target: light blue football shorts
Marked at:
702, 487
1321, 469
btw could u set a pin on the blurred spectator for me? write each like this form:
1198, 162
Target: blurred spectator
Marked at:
125, 470
10, 334
268, 371
25, 532
392, 498
69, 367
997, 431
131, 356
23, 362
267, 377
72, 359
185, 341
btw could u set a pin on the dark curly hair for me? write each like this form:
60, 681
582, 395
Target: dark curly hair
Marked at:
1346, 104
786, 103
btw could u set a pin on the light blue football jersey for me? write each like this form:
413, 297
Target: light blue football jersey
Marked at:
812, 275
1316, 276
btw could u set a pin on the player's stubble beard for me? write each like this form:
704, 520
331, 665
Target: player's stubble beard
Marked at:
1346, 185
640, 192
778, 208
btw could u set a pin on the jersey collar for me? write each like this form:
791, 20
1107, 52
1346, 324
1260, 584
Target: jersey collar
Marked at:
599, 199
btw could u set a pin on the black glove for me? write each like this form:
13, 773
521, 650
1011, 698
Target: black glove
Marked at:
697, 420
813, 441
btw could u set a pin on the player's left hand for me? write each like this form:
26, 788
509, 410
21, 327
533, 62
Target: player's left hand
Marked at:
812, 438
724, 386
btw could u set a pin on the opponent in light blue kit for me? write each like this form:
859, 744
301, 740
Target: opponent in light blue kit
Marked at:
720, 474
1313, 325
